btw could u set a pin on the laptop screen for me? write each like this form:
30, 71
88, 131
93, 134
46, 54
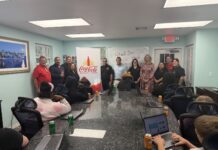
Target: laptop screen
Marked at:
156, 124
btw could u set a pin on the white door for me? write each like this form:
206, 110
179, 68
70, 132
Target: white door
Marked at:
189, 64
160, 55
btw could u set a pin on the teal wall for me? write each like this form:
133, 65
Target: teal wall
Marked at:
13, 85
206, 56
69, 47
20, 84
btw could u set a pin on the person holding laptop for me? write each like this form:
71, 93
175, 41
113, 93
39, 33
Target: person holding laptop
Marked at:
204, 126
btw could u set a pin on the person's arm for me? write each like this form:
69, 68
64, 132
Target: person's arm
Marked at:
159, 141
62, 107
182, 141
35, 75
25, 141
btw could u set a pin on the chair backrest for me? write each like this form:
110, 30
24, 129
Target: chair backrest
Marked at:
179, 104
210, 142
169, 91
187, 128
30, 119
203, 108
185, 91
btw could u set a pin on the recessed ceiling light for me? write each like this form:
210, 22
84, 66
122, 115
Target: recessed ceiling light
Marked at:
184, 3
181, 24
60, 23
88, 35
3, 0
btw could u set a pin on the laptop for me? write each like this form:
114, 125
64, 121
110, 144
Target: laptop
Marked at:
158, 125
76, 114
50, 142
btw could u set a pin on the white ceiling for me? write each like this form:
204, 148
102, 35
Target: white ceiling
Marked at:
114, 18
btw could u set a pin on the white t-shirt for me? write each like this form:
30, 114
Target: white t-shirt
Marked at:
50, 110
119, 70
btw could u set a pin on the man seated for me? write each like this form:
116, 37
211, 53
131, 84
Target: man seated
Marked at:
204, 126
12, 140
50, 106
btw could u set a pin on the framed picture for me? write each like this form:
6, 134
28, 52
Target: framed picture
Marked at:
14, 55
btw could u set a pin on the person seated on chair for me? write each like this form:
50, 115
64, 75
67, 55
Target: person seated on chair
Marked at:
126, 82
75, 94
204, 126
204, 98
50, 106
12, 140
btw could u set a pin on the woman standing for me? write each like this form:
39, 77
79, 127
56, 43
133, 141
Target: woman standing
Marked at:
72, 71
135, 72
178, 72
158, 79
146, 74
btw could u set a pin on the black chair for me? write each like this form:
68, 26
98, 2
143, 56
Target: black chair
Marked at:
187, 128
185, 91
179, 104
203, 108
30, 120
210, 142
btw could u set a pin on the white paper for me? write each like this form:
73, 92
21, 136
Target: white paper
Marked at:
89, 133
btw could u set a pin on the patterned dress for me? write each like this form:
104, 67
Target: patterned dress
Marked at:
147, 73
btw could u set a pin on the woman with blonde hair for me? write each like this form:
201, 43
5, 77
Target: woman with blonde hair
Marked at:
147, 74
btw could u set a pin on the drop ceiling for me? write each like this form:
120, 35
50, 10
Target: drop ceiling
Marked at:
114, 18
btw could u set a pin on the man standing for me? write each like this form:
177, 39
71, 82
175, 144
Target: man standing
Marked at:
169, 64
57, 72
107, 75
67, 67
119, 69
41, 73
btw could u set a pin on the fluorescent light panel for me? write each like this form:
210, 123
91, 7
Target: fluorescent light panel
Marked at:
88, 35
181, 24
61, 23
3, 0
184, 3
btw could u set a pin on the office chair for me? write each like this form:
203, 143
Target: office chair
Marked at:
185, 91
179, 104
30, 119
210, 142
203, 108
187, 128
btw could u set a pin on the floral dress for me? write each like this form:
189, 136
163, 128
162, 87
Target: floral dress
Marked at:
147, 74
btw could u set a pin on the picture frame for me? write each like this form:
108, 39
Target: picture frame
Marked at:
14, 56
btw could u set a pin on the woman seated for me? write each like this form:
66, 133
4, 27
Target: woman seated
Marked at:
50, 106
12, 140
126, 82
204, 126
74, 92
158, 79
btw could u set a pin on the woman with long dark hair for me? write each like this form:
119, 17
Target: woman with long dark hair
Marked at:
135, 72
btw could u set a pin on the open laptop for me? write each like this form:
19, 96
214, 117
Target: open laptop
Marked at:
76, 114
158, 125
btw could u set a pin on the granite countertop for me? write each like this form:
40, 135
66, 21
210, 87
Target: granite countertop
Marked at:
118, 114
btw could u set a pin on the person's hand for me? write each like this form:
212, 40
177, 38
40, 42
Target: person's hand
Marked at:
57, 98
158, 140
178, 139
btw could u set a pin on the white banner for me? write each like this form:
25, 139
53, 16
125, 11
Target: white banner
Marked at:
89, 65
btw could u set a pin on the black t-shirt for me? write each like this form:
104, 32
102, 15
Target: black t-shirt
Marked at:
135, 72
10, 139
159, 73
106, 72
178, 72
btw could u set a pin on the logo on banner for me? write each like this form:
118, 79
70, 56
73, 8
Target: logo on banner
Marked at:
88, 66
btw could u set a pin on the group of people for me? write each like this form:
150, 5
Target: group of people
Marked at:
145, 76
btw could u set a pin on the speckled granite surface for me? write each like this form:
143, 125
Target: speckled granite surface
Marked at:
118, 114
